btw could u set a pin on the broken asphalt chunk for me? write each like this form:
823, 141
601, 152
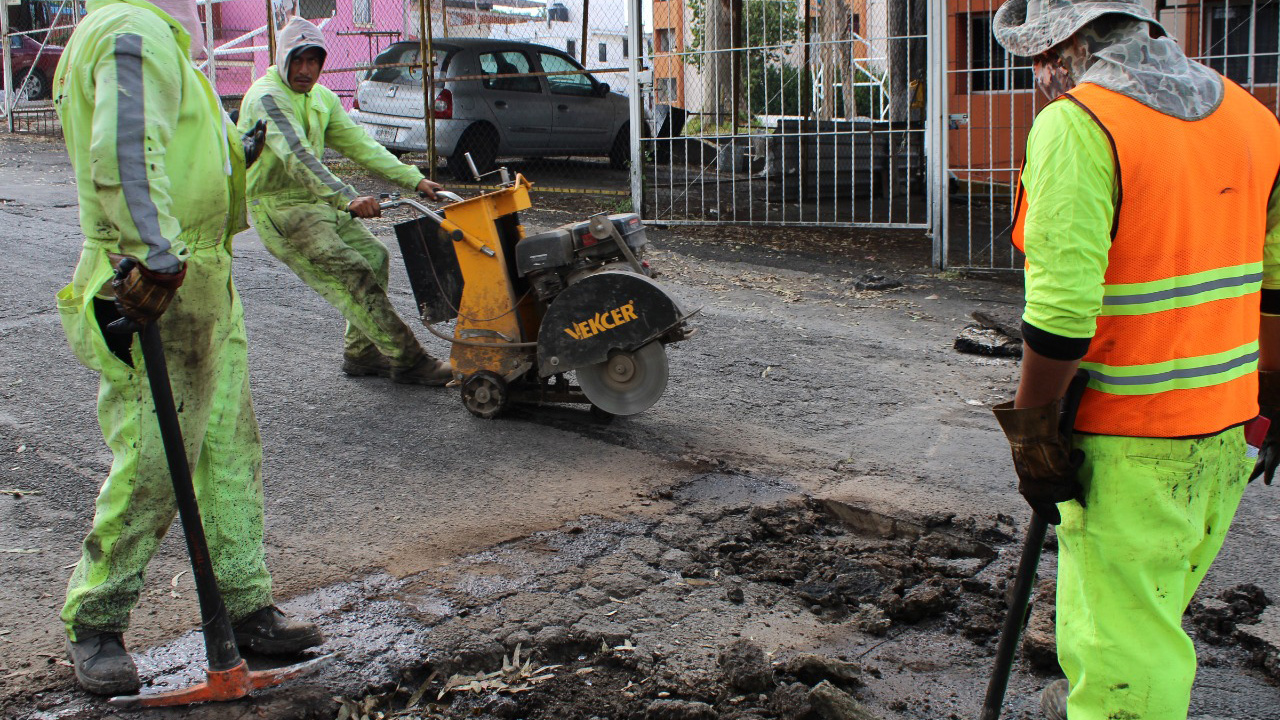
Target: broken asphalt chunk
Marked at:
812, 668
832, 703
679, 710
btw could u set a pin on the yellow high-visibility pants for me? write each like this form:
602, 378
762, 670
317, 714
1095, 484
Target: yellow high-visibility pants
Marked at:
207, 357
339, 258
1156, 512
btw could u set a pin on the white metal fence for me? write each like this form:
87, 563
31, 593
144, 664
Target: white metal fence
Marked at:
781, 112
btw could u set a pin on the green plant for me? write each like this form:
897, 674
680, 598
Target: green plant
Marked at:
772, 27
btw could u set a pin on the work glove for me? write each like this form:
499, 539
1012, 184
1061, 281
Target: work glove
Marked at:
1042, 456
253, 142
142, 294
1269, 401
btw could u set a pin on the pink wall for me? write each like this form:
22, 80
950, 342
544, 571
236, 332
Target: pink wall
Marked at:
236, 72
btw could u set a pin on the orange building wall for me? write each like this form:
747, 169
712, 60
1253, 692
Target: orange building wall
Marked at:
990, 146
669, 15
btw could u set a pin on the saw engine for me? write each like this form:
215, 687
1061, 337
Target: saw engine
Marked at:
532, 310
552, 260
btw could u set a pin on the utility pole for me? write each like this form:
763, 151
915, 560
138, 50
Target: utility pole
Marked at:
9, 93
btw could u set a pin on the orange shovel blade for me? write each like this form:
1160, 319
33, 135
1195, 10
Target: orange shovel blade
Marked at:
222, 685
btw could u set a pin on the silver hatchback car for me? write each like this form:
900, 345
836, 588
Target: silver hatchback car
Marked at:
567, 113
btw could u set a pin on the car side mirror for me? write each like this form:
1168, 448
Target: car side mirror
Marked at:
603, 90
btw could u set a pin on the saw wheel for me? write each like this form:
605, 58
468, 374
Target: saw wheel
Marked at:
628, 382
485, 394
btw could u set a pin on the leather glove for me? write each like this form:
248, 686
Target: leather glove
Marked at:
141, 294
1042, 456
1269, 401
253, 142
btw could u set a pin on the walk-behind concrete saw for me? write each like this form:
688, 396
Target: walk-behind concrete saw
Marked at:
531, 309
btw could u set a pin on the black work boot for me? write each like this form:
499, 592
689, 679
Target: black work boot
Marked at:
427, 371
370, 362
101, 663
271, 632
1053, 701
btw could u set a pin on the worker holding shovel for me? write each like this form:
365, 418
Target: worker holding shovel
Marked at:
1149, 215
160, 175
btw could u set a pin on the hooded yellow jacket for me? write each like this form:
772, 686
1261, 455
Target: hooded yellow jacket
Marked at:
301, 125
156, 168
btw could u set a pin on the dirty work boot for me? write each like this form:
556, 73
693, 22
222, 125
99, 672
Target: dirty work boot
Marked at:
370, 362
427, 371
271, 632
1053, 701
101, 663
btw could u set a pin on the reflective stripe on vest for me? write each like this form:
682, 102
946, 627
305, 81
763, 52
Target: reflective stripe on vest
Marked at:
1177, 374
1182, 291
1176, 348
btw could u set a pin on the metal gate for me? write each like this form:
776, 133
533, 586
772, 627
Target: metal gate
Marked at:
781, 112
991, 101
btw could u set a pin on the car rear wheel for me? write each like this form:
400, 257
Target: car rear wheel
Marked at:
37, 86
482, 143
620, 153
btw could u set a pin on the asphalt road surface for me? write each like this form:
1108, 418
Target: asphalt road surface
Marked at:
792, 375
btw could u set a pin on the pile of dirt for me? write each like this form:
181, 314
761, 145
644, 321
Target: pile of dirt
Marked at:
841, 575
1234, 619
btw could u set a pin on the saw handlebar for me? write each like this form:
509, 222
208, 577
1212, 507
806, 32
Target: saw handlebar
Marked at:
450, 229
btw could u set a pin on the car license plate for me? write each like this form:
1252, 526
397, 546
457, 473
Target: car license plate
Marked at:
382, 133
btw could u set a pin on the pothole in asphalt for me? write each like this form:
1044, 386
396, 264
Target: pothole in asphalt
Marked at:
671, 619
745, 601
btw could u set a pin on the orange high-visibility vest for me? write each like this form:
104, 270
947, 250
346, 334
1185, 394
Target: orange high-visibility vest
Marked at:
1176, 349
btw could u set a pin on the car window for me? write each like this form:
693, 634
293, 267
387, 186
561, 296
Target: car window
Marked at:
508, 63
406, 69
576, 83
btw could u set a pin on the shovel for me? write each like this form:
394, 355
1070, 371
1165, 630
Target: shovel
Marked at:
229, 677
1023, 582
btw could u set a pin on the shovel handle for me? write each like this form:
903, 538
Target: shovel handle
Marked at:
1016, 618
219, 636
1024, 581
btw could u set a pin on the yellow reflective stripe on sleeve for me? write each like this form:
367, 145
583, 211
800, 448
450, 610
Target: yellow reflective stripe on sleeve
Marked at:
1182, 291
1177, 374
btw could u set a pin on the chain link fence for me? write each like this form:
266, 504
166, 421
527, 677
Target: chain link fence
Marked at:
992, 101
537, 86
33, 33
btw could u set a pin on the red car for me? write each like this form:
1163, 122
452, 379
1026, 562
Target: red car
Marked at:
24, 51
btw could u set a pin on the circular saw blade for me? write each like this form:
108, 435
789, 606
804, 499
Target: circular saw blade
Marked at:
628, 382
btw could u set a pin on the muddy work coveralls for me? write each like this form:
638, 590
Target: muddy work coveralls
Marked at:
299, 207
159, 172
1150, 241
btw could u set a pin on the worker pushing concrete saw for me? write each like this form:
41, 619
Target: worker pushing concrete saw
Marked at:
307, 216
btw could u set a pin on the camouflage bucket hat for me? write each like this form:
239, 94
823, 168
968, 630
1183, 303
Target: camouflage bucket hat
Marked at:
1029, 27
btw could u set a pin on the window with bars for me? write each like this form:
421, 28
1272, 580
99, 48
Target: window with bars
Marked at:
362, 12
626, 48
665, 89
666, 40
1242, 40
571, 47
991, 69
604, 52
